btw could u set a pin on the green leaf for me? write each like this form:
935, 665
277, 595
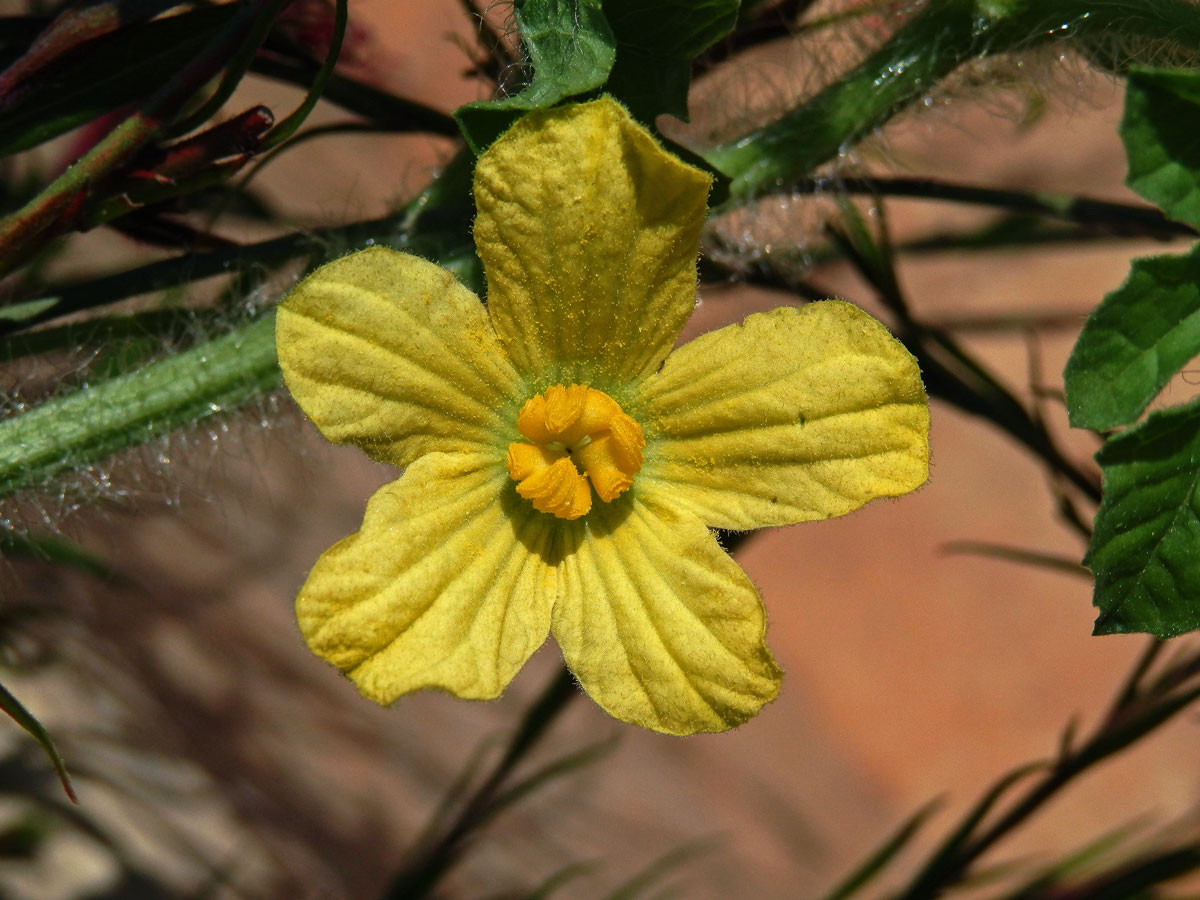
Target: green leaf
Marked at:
656, 43
1145, 551
1159, 131
26, 720
114, 70
1135, 341
571, 50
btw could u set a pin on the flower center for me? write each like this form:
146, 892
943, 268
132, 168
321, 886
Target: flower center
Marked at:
577, 435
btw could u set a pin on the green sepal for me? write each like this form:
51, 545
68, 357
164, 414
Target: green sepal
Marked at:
571, 50
1135, 341
1145, 551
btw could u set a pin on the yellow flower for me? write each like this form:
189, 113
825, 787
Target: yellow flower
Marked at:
562, 467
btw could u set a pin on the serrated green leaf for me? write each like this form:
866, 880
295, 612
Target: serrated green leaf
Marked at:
1145, 551
1159, 131
1135, 341
571, 50
110, 72
656, 43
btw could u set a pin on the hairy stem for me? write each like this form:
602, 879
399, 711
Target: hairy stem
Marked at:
935, 42
95, 421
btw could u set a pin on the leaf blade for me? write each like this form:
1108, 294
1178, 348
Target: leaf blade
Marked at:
1135, 341
1145, 551
1157, 127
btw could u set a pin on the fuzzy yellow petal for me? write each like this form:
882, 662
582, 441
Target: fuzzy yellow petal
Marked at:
659, 625
588, 232
389, 352
793, 415
445, 586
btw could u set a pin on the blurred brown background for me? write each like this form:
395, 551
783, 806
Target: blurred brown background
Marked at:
911, 673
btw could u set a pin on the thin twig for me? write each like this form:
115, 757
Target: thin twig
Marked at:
1121, 218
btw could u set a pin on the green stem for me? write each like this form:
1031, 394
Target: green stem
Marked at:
936, 41
96, 421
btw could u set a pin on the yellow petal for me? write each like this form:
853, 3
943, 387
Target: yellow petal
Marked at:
588, 232
445, 586
659, 625
795, 414
389, 352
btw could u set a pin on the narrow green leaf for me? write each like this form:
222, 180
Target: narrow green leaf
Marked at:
26, 720
879, 860
288, 126
656, 43
1159, 131
571, 50
643, 881
75, 25
1135, 341
236, 59
19, 312
566, 874
1145, 551
556, 768
950, 861
59, 551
